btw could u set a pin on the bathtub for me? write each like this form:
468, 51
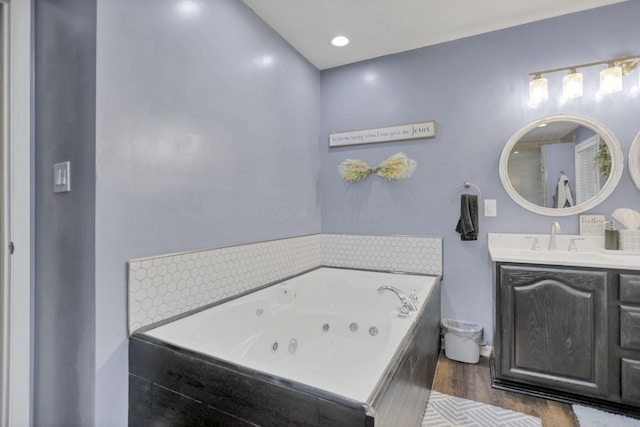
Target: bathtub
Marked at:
324, 343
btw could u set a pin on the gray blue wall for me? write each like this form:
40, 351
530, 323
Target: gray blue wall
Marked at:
477, 91
210, 130
64, 294
207, 135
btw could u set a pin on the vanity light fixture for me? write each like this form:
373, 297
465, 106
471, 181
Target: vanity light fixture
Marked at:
538, 90
572, 84
611, 80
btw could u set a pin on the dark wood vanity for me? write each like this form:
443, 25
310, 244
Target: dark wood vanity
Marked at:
568, 333
566, 318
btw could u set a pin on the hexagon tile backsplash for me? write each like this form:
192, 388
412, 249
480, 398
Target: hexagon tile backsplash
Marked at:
164, 286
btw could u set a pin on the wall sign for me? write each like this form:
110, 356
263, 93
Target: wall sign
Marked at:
592, 225
392, 133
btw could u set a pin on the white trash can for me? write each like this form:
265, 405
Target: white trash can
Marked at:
462, 340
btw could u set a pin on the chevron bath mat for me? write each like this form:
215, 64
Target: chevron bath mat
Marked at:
592, 417
448, 411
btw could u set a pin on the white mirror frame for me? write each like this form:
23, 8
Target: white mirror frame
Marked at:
634, 161
617, 165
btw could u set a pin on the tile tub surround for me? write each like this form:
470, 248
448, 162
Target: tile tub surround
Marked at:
411, 254
165, 286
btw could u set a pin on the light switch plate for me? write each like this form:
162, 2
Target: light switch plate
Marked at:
490, 207
62, 177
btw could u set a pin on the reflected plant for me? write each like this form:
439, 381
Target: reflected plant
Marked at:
604, 160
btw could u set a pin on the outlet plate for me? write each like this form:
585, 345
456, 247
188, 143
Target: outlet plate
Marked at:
490, 207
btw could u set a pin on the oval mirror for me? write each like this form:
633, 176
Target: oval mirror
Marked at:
561, 165
634, 161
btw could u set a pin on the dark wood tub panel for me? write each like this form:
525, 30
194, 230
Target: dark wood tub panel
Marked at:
405, 397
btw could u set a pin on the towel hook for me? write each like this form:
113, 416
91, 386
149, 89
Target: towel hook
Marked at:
469, 184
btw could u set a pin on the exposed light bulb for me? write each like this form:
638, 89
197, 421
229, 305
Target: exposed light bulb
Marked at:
538, 90
572, 85
610, 80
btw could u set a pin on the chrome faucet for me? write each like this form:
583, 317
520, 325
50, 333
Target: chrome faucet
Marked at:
407, 303
555, 229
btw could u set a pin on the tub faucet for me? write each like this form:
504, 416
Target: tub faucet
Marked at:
404, 299
555, 228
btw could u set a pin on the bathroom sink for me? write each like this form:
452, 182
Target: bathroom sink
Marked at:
508, 247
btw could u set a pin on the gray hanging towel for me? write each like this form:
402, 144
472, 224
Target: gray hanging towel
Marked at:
563, 197
468, 222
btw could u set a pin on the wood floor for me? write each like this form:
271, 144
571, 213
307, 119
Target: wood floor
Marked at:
473, 382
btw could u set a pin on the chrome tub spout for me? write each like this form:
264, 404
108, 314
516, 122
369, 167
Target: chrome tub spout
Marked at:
404, 299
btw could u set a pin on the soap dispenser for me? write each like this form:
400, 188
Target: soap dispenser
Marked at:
610, 236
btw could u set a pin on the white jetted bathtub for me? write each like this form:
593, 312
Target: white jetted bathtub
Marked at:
331, 330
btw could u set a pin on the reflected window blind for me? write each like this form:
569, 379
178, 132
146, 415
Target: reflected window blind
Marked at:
587, 176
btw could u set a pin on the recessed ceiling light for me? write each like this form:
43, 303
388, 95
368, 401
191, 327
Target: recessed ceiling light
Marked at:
340, 41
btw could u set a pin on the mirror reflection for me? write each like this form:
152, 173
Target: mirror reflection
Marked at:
634, 161
563, 160
559, 164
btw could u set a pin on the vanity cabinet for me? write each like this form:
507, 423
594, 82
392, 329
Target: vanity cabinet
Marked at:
630, 338
570, 333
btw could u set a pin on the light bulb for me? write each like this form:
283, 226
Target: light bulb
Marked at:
538, 90
572, 85
610, 80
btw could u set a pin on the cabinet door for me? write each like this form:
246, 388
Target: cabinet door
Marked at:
552, 328
630, 380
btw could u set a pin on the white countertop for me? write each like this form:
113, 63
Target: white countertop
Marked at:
509, 247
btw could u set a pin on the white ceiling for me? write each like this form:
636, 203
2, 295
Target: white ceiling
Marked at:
552, 132
382, 27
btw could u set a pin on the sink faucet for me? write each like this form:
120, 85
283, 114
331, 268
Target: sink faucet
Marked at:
404, 299
555, 229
